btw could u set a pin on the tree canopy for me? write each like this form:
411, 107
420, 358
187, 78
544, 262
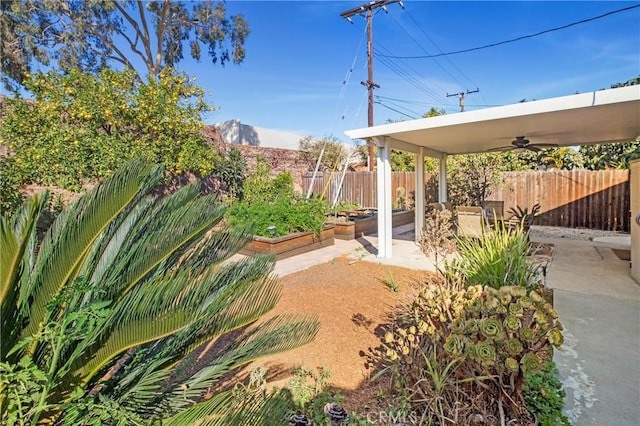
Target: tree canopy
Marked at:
82, 127
90, 35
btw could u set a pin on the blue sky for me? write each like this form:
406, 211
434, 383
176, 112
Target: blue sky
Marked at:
299, 54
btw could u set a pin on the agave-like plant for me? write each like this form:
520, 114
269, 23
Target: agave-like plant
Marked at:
102, 319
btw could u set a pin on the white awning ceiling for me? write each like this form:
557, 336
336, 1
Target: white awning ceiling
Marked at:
603, 116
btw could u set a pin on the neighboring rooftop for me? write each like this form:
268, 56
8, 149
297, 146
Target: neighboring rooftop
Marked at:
235, 132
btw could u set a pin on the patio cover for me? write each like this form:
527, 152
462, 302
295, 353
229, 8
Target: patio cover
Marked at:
604, 116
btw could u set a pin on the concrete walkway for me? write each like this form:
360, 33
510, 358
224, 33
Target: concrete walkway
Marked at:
598, 304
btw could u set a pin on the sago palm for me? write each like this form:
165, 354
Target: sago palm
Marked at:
102, 318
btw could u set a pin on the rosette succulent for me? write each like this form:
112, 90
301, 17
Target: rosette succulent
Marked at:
512, 365
530, 363
490, 328
496, 334
513, 347
485, 353
512, 323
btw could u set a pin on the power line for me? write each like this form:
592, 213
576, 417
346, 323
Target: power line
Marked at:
517, 38
395, 104
395, 110
417, 24
345, 81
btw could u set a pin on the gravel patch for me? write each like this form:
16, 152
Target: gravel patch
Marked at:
583, 234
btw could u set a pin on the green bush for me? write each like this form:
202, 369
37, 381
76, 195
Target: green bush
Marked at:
454, 351
80, 127
500, 257
261, 187
544, 395
272, 202
287, 214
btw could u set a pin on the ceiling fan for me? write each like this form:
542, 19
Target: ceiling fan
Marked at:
521, 143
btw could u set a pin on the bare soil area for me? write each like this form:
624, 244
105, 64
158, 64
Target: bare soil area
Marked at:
353, 301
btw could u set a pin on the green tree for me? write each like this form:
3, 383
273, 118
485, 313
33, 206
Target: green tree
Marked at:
230, 168
333, 155
80, 127
92, 35
609, 156
471, 176
104, 320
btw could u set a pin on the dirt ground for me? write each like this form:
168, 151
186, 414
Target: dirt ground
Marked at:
353, 300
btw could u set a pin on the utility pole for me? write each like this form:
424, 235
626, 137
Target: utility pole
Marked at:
369, 84
461, 95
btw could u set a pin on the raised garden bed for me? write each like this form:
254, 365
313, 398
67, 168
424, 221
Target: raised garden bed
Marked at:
292, 244
356, 227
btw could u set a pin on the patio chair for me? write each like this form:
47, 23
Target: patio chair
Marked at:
493, 209
471, 222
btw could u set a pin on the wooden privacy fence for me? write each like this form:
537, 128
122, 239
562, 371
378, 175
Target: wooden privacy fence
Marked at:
360, 187
569, 198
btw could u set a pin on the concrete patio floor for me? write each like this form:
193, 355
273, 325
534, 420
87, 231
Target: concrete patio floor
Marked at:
598, 304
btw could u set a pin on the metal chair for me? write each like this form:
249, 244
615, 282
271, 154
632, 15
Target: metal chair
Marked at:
471, 222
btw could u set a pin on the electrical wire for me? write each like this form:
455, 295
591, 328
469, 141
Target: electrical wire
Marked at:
399, 24
438, 48
397, 105
417, 24
583, 21
345, 83
402, 72
395, 110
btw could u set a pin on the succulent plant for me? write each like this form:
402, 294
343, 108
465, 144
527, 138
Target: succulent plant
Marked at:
497, 334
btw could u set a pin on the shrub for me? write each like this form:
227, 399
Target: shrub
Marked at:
286, 214
454, 351
272, 202
500, 257
437, 236
544, 395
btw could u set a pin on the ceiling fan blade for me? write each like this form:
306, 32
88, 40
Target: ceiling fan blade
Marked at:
545, 145
501, 149
533, 148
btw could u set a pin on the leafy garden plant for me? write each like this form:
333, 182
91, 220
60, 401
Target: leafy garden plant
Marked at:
501, 257
544, 395
106, 317
271, 206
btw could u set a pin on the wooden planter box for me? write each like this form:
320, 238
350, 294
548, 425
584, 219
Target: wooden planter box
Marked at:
292, 244
356, 228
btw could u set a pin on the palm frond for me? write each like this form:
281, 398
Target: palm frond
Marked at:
157, 241
17, 239
166, 305
247, 292
70, 238
211, 412
279, 334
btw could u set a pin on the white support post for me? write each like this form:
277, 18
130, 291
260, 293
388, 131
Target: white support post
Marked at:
442, 179
419, 208
385, 229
